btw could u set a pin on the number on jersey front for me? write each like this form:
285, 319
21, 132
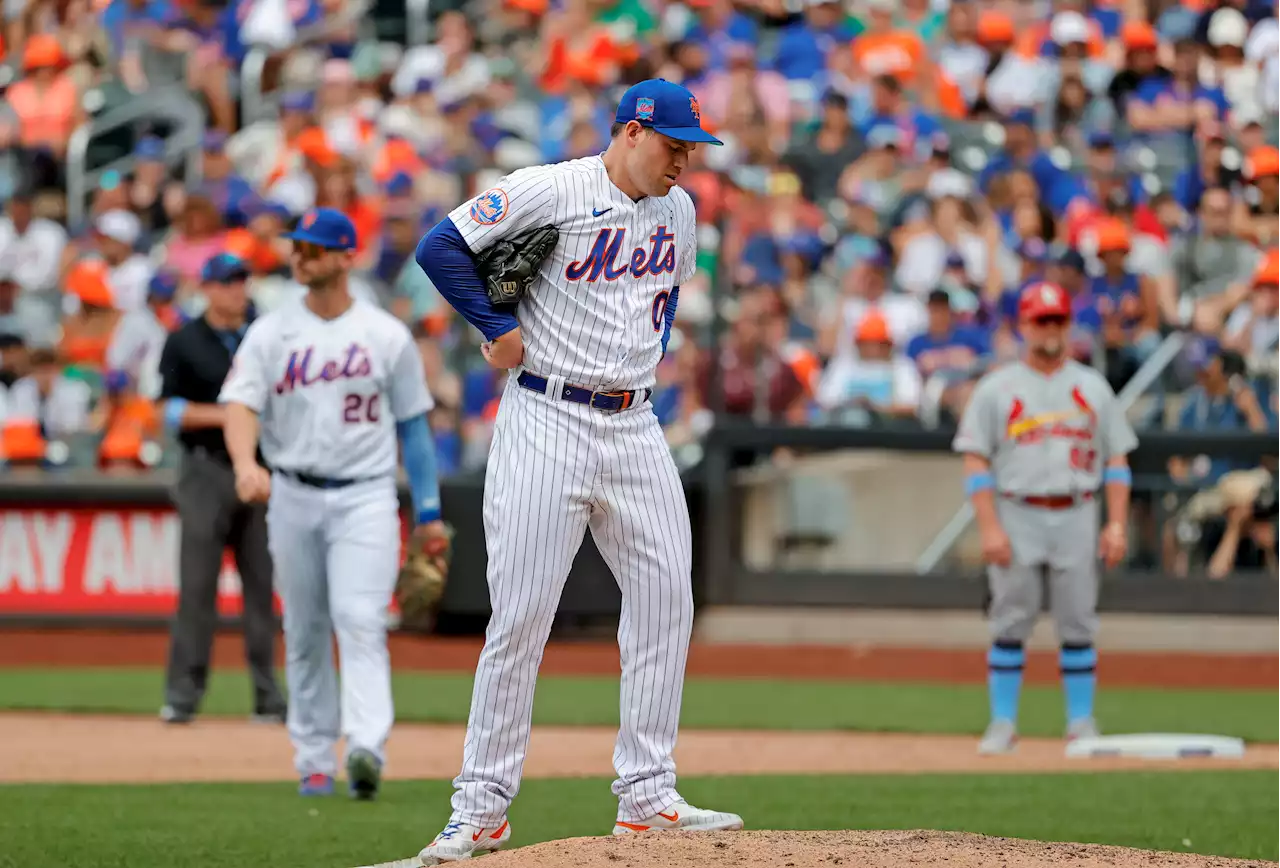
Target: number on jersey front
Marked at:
360, 408
660, 302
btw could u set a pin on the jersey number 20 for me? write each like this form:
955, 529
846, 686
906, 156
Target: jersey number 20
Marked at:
358, 408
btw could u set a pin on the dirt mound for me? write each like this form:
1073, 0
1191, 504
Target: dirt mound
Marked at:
828, 849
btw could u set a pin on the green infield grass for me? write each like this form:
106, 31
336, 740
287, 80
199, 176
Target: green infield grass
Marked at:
239, 825
708, 703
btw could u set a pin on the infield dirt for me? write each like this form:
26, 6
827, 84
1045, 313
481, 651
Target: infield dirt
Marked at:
852, 849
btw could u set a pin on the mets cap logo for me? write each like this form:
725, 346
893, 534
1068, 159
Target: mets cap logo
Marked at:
308, 220
644, 109
490, 207
695, 108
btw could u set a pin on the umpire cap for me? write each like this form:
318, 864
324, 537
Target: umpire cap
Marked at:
1043, 299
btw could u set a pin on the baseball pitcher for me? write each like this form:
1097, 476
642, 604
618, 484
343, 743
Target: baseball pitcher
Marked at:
572, 273
1039, 437
331, 383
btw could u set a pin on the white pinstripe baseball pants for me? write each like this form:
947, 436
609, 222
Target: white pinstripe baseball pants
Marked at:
555, 469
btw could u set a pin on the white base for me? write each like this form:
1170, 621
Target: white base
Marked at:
1158, 746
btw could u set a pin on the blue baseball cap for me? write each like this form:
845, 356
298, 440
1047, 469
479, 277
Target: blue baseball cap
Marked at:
1021, 117
163, 285
1033, 249
213, 141
149, 148
664, 107
297, 101
1101, 139
1070, 258
325, 227
224, 268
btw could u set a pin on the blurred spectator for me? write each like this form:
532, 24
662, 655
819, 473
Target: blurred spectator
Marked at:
137, 341
874, 384
47, 104
30, 247
865, 289
804, 45
948, 355
755, 381
87, 330
1257, 214
197, 235
116, 234
129, 423
1205, 260
49, 396
1253, 328
820, 158
1208, 169
1221, 401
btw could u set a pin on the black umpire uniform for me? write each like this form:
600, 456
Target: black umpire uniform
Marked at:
195, 361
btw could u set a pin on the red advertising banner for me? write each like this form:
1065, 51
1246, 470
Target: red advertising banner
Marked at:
97, 561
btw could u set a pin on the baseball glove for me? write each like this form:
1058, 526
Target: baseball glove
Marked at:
423, 577
510, 266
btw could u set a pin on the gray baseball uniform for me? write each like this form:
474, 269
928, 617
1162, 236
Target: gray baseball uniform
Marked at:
1048, 438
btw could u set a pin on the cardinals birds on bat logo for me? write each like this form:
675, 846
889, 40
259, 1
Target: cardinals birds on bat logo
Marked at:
490, 207
644, 109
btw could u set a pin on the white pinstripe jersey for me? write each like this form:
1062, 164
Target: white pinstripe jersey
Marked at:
329, 392
594, 315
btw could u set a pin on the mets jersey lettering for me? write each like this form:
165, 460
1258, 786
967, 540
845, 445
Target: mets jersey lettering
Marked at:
357, 363
590, 314
658, 258
329, 392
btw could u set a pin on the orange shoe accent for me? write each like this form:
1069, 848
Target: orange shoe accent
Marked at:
675, 815
498, 834
635, 827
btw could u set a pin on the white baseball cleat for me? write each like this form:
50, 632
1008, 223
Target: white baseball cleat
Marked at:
1083, 727
683, 816
460, 841
1001, 737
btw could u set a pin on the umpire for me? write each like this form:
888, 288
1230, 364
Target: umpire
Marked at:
195, 361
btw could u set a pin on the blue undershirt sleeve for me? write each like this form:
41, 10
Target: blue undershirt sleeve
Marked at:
445, 257
420, 466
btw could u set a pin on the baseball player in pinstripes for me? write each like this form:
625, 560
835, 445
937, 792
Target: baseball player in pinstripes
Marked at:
332, 382
1038, 437
576, 445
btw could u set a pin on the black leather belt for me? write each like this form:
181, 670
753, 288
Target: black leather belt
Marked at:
317, 481
609, 402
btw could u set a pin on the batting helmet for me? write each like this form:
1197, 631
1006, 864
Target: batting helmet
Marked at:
1043, 299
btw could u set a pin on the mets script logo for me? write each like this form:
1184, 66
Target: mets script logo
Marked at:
695, 108
490, 207
608, 258
644, 109
308, 220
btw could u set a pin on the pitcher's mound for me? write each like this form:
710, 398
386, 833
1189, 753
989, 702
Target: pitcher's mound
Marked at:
828, 849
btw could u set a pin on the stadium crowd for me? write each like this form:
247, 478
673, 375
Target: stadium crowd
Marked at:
894, 172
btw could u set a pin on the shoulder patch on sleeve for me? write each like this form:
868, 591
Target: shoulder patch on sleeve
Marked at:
490, 207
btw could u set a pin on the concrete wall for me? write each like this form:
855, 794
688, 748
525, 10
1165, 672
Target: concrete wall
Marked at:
879, 509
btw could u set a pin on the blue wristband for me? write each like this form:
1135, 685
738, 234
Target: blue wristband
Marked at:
174, 410
1121, 475
978, 482
426, 516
